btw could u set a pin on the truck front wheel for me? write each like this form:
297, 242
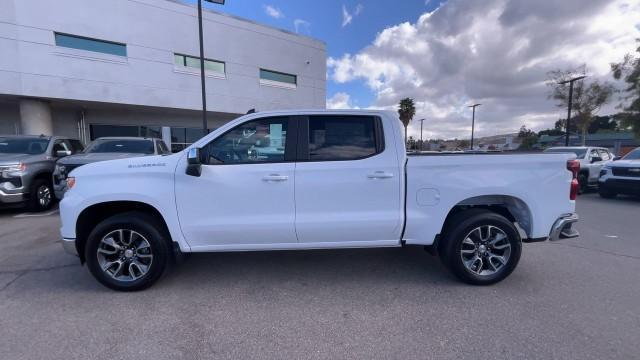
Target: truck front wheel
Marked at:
481, 247
127, 252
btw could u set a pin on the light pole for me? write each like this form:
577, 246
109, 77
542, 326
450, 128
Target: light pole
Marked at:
570, 81
202, 78
473, 121
421, 141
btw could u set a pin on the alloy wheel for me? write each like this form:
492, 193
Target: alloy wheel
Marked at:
124, 255
44, 196
485, 250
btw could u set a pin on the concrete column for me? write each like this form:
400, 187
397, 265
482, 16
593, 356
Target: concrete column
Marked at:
35, 117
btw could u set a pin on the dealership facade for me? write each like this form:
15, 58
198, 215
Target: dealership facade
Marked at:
92, 68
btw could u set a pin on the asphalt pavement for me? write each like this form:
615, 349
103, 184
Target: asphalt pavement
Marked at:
574, 299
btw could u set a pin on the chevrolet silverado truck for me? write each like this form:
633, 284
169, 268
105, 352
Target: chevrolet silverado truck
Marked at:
26, 165
323, 179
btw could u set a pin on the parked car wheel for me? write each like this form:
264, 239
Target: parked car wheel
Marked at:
607, 194
583, 182
127, 252
481, 247
40, 195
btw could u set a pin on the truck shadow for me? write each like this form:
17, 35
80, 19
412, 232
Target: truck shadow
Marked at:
360, 267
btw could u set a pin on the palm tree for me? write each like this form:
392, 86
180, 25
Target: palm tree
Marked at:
406, 111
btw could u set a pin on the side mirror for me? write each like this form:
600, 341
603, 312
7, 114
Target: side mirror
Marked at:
617, 158
63, 153
194, 164
596, 159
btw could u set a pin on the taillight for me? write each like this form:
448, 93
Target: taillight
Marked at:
574, 167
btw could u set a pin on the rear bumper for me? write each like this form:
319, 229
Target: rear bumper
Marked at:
563, 228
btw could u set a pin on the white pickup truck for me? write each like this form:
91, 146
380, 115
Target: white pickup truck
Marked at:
320, 179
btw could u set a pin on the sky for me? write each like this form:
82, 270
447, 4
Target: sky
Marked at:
449, 54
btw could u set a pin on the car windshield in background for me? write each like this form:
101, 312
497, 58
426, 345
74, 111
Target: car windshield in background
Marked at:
121, 146
579, 152
634, 155
31, 146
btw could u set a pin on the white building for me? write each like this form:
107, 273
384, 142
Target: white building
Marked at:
91, 68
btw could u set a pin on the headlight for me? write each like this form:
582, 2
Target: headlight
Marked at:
71, 182
14, 170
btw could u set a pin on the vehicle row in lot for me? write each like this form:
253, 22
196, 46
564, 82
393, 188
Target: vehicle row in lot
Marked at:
591, 159
33, 169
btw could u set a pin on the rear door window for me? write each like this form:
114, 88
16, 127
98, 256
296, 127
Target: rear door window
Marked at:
342, 137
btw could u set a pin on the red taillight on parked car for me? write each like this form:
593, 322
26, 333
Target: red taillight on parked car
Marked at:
574, 167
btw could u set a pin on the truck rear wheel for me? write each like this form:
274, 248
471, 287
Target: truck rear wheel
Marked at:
481, 247
127, 252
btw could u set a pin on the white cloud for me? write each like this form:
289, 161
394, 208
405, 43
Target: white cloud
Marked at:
340, 100
273, 11
301, 25
496, 52
347, 17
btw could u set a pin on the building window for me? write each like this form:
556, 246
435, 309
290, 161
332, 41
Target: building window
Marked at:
181, 137
84, 43
274, 78
212, 66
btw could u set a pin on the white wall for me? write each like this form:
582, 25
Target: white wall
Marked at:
31, 64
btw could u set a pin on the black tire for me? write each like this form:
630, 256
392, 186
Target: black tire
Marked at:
457, 230
38, 192
152, 232
583, 183
607, 194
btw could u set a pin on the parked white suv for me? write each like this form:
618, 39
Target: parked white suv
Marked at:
330, 179
591, 158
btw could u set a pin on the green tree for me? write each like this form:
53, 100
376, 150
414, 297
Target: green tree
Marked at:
463, 144
588, 97
527, 137
629, 71
406, 110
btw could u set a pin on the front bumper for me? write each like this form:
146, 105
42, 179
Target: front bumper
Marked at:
621, 186
69, 245
12, 198
563, 228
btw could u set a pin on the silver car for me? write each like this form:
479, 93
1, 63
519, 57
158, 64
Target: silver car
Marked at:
26, 166
102, 149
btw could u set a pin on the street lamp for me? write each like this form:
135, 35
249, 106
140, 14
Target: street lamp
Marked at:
421, 142
570, 81
202, 78
473, 121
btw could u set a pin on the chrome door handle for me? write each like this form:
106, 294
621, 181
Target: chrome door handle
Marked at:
275, 177
380, 175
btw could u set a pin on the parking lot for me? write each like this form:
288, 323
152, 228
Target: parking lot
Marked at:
577, 298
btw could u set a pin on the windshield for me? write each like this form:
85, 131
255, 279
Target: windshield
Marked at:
579, 152
31, 146
634, 155
121, 146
